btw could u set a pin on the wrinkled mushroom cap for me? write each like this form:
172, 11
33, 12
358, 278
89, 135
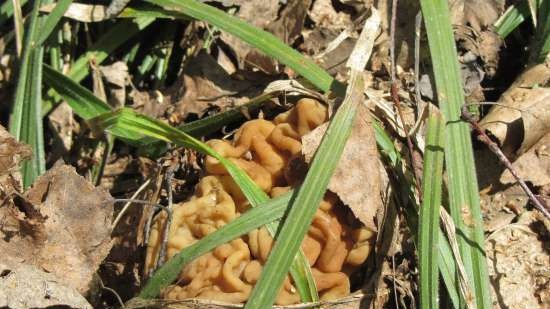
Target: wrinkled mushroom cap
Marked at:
269, 152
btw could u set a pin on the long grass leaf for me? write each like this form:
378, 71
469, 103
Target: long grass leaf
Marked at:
511, 19
26, 117
463, 190
83, 102
429, 213
6, 10
51, 22
445, 261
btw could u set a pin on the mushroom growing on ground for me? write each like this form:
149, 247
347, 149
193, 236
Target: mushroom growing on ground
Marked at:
267, 151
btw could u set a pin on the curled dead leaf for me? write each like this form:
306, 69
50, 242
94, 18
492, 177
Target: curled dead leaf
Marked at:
356, 180
522, 115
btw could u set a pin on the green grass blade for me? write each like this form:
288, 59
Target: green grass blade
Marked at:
205, 126
51, 22
511, 19
463, 190
541, 43
446, 263
83, 102
26, 117
6, 10
429, 213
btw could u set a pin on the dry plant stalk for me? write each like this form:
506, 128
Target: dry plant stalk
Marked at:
271, 154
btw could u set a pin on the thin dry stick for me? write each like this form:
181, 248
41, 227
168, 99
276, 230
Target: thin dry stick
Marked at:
18, 22
482, 137
128, 204
119, 299
396, 101
162, 251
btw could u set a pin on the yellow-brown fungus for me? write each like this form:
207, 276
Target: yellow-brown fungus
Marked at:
265, 150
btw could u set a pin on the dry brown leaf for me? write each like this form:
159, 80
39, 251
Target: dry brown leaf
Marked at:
532, 166
206, 83
117, 77
63, 227
256, 12
477, 14
522, 115
81, 12
356, 180
11, 154
288, 27
25, 286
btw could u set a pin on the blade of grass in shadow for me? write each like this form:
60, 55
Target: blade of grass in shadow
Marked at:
6, 10
51, 21
459, 159
26, 117
429, 212
132, 127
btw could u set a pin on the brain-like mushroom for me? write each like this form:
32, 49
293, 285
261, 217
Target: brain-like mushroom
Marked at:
267, 151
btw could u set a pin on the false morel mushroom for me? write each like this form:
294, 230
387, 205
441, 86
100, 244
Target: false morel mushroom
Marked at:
335, 245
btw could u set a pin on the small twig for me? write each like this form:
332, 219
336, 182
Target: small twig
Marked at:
164, 244
392, 39
119, 299
128, 204
482, 137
